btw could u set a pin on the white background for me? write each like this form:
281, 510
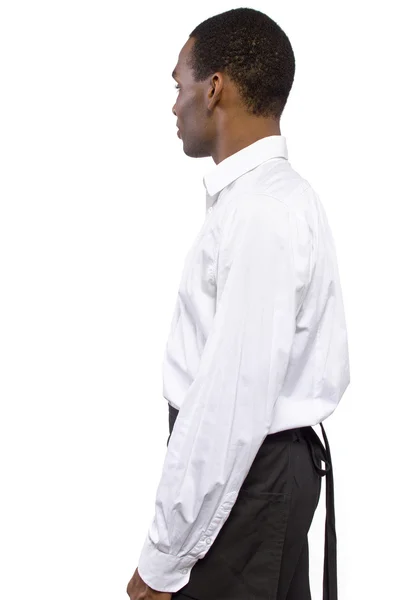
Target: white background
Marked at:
99, 206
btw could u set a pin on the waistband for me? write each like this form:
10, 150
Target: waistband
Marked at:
286, 435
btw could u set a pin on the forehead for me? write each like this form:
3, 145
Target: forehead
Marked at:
181, 66
179, 71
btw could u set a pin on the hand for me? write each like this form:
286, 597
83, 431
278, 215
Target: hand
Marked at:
139, 590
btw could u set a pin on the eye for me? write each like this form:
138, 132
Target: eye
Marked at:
177, 86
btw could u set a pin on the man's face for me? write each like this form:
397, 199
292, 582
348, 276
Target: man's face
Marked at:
190, 107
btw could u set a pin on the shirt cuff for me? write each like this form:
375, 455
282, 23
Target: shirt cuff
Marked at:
164, 572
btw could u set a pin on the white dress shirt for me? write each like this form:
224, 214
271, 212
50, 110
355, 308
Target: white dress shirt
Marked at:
258, 344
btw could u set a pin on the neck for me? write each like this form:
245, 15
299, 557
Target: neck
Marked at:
243, 135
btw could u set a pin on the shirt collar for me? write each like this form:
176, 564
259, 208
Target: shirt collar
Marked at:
239, 163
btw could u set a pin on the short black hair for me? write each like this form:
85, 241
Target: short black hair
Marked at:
253, 51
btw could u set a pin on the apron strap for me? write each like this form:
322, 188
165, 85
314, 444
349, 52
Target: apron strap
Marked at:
319, 452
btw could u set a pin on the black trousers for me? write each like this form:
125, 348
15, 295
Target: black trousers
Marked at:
261, 551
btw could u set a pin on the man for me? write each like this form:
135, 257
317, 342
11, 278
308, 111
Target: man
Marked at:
257, 351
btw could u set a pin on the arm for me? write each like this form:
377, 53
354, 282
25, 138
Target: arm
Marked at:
229, 407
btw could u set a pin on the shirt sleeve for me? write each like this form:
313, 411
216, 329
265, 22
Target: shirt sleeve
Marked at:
227, 411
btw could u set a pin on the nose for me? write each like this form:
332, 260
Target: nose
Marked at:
173, 110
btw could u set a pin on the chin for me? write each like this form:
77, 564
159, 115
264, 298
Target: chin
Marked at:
194, 153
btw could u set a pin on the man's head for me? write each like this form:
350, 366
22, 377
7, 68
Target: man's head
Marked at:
234, 74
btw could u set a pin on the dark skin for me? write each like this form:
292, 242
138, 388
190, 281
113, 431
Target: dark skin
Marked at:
138, 589
211, 116
212, 121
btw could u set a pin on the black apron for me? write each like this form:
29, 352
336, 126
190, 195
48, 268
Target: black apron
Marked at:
318, 452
